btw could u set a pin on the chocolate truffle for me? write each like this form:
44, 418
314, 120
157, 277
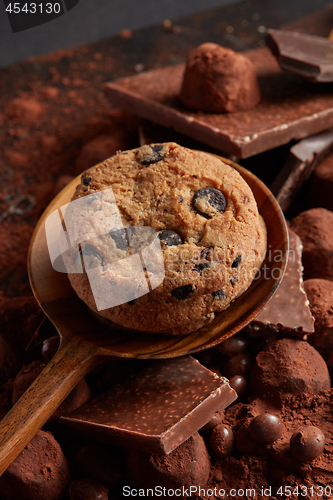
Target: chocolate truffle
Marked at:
39, 472
289, 367
219, 80
188, 465
314, 227
320, 295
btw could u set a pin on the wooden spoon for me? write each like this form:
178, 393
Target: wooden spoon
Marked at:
85, 343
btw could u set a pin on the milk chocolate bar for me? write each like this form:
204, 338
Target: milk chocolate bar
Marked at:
305, 55
288, 310
157, 409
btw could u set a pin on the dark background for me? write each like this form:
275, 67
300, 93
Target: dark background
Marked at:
92, 20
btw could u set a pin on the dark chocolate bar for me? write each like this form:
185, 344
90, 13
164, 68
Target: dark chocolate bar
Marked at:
306, 55
288, 310
291, 107
157, 409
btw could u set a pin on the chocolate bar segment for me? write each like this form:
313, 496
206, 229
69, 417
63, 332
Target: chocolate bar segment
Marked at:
157, 409
288, 310
305, 55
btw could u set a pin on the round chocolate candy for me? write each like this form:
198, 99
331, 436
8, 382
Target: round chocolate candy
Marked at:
222, 441
209, 202
211, 424
265, 428
50, 347
233, 345
239, 364
307, 443
239, 384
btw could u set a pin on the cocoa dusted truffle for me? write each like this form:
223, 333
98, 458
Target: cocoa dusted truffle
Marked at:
219, 80
314, 227
289, 367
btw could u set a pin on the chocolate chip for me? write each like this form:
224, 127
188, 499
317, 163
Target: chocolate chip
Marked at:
209, 202
183, 292
86, 180
233, 280
91, 251
237, 261
170, 238
131, 302
219, 294
307, 443
120, 237
205, 253
151, 154
222, 441
265, 428
201, 266
181, 199
92, 197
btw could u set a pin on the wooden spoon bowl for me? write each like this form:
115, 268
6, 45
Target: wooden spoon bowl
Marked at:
85, 342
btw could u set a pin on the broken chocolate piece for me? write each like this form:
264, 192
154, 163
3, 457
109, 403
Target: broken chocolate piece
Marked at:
170, 238
288, 310
302, 160
237, 261
183, 292
306, 55
209, 202
157, 409
201, 266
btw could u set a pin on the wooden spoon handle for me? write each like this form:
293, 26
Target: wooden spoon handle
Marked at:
72, 361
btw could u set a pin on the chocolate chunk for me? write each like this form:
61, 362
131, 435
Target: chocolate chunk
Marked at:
153, 153
288, 310
233, 280
219, 294
307, 443
86, 180
306, 55
91, 256
120, 237
201, 266
265, 428
170, 238
181, 199
137, 413
183, 292
205, 253
222, 441
209, 202
237, 261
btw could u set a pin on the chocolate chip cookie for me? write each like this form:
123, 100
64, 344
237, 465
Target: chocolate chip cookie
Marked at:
167, 237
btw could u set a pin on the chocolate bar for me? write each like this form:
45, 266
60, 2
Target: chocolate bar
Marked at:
290, 108
157, 409
288, 310
306, 55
